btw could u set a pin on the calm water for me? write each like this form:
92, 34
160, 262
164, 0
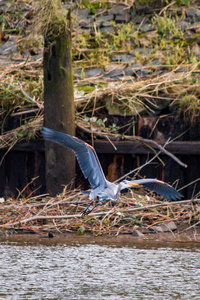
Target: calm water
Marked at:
89, 268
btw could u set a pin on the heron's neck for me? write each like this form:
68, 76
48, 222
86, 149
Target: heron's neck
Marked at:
123, 186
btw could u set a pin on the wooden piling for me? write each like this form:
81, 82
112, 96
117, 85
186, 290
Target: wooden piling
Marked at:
59, 110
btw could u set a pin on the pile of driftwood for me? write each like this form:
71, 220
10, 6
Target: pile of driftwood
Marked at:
63, 214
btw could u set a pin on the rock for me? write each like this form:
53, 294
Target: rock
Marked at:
195, 50
141, 51
141, 8
122, 13
122, 19
88, 25
130, 71
107, 29
98, 24
107, 24
82, 14
118, 10
165, 227
193, 12
69, 6
146, 28
36, 57
78, 72
155, 63
198, 40
138, 233
145, 8
93, 72
114, 70
143, 73
115, 73
195, 27
10, 46
138, 19
105, 19
182, 25
123, 58
50, 235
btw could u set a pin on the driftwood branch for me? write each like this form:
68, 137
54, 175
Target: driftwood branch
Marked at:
147, 142
102, 213
154, 144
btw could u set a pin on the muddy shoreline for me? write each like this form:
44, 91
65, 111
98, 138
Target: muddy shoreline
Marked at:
183, 236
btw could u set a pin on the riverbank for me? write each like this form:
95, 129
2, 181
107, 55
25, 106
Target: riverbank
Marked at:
184, 236
129, 60
136, 72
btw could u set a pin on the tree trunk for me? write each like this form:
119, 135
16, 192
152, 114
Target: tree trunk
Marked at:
59, 111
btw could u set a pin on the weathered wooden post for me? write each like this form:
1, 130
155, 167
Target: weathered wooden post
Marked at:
59, 111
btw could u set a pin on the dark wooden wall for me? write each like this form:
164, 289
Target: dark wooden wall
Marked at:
23, 166
26, 161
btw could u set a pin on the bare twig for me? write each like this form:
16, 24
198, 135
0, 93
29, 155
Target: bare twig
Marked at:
24, 94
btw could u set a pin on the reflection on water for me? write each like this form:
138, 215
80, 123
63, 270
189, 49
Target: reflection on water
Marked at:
110, 269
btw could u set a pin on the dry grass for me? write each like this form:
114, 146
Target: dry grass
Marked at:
142, 95
63, 214
21, 87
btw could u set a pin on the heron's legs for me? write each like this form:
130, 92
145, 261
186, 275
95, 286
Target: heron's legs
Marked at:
98, 203
85, 210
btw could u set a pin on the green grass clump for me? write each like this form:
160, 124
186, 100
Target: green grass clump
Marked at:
93, 6
167, 26
190, 106
51, 21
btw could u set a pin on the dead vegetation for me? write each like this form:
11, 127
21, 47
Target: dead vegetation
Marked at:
21, 95
143, 95
177, 84
63, 214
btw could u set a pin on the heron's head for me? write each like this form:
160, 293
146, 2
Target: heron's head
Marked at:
126, 184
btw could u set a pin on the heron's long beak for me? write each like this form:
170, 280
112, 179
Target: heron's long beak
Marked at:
133, 184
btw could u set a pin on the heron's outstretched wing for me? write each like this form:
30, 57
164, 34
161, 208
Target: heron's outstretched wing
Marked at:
159, 187
85, 154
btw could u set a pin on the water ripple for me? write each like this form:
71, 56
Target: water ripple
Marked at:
98, 272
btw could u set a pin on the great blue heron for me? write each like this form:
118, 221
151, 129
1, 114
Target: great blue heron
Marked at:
102, 189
